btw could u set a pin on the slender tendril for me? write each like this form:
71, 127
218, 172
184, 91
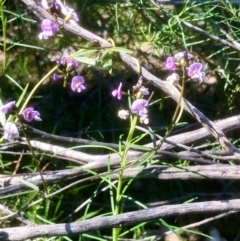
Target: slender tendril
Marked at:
33, 154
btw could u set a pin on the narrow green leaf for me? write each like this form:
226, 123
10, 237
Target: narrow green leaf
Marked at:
22, 95
85, 60
29, 184
17, 194
138, 147
14, 81
84, 52
121, 50
91, 237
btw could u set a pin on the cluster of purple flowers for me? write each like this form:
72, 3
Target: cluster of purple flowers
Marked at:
139, 105
10, 129
50, 28
65, 66
194, 70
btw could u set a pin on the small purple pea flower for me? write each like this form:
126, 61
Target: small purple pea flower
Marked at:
144, 90
29, 114
67, 63
77, 84
68, 12
195, 72
170, 63
139, 107
180, 55
10, 131
71, 12
49, 29
118, 92
55, 8
56, 77
9, 108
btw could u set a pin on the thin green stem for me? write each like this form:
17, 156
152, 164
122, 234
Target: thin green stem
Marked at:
35, 88
4, 35
123, 163
177, 114
33, 154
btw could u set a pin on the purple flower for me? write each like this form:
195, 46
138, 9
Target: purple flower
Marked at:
118, 92
170, 63
55, 8
144, 90
77, 84
29, 114
10, 131
67, 63
56, 77
71, 12
139, 107
9, 108
140, 80
67, 11
180, 55
49, 29
195, 72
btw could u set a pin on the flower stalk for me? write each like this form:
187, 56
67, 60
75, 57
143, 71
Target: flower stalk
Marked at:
36, 87
33, 154
178, 111
123, 164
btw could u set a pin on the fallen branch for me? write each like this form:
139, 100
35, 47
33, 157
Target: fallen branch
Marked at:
12, 183
225, 125
121, 220
178, 140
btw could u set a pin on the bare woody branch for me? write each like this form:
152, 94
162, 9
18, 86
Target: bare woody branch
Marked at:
171, 142
228, 124
12, 183
121, 220
99, 163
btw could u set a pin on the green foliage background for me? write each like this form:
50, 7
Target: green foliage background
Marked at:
144, 29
